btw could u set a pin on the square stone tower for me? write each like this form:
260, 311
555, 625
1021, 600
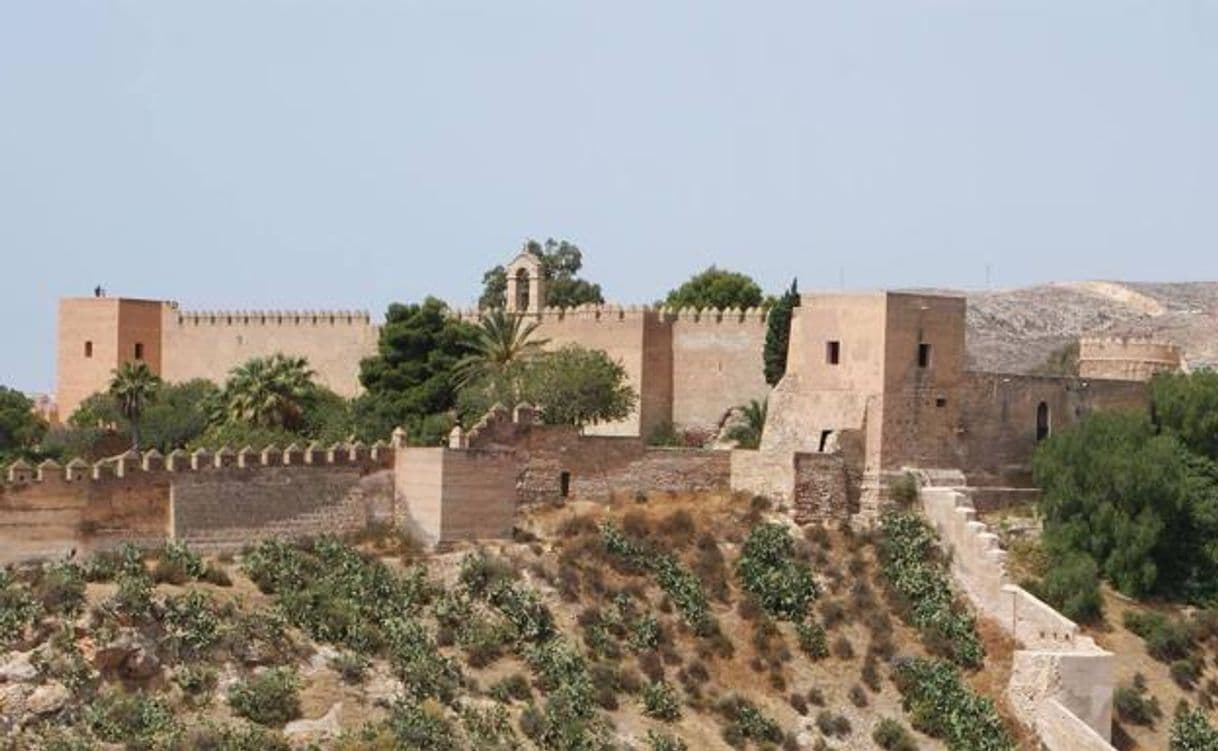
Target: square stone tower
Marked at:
97, 335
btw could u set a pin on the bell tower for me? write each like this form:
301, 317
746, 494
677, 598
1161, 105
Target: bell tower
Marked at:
526, 284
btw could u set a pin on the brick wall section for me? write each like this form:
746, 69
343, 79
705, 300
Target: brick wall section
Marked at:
225, 510
214, 508
822, 488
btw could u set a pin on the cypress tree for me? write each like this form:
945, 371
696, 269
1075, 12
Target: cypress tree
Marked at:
778, 334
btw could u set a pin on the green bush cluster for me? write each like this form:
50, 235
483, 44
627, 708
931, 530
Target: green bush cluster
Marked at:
891, 735
18, 608
745, 722
417, 662
420, 727
192, 624
333, 593
136, 720
812, 639
678, 582
1133, 705
271, 698
912, 566
1167, 639
942, 706
660, 702
1191, 731
769, 571
1072, 586
657, 741
60, 588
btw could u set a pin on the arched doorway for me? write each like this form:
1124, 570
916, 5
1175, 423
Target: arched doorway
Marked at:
1042, 421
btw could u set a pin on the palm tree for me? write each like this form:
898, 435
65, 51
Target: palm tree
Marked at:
134, 386
748, 433
268, 392
504, 341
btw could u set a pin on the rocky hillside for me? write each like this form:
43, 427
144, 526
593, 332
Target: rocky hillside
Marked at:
1015, 330
665, 624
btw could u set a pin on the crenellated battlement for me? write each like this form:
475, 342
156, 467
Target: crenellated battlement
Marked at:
152, 462
613, 313
1134, 358
272, 317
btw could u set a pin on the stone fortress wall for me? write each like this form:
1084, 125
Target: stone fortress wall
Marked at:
218, 501
689, 368
1061, 682
1126, 358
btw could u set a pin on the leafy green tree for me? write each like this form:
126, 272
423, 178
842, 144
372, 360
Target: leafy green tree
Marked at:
560, 263
268, 392
20, 428
718, 289
1137, 502
134, 386
778, 334
572, 386
504, 341
410, 381
1186, 406
748, 433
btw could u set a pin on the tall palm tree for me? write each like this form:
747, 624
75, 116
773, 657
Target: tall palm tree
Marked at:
268, 392
134, 386
748, 433
504, 341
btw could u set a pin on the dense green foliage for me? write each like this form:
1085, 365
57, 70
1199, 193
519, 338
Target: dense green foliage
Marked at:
504, 342
20, 429
942, 706
769, 572
270, 698
917, 577
1186, 406
268, 392
1191, 731
716, 289
560, 264
333, 593
571, 386
18, 608
1132, 497
1071, 585
778, 334
409, 382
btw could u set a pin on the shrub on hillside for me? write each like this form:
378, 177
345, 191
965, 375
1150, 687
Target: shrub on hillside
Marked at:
913, 568
1191, 731
660, 702
270, 699
904, 490
1167, 639
60, 588
18, 608
891, 735
136, 720
1133, 705
941, 705
1072, 586
768, 570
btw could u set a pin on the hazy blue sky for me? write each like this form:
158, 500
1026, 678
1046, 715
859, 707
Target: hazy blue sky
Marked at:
346, 154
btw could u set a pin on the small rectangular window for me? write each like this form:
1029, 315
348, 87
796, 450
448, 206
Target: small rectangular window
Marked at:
923, 355
833, 353
941, 402
139, 350
824, 440
88, 349
564, 484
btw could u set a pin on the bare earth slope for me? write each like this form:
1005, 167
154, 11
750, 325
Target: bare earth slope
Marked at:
1015, 330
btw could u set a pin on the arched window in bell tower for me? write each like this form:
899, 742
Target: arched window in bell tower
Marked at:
522, 289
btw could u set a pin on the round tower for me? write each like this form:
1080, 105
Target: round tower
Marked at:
1126, 358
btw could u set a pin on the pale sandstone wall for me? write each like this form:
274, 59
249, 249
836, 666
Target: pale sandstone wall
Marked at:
716, 365
766, 473
1056, 662
1129, 358
210, 344
113, 326
1059, 728
456, 494
822, 488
